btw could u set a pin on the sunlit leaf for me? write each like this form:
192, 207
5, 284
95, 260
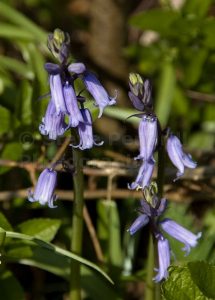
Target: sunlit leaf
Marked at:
165, 93
16, 66
43, 228
15, 17
57, 250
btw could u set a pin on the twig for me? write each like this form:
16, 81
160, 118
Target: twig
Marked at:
61, 150
104, 168
201, 96
93, 235
179, 194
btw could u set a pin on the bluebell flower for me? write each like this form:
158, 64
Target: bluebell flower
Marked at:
144, 175
163, 258
98, 92
148, 136
181, 234
73, 110
147, 212
178, 157
44, 190
85, 131
155, 209
77, 68
53, 124
140, 222
57, 96
150, 213
52, 69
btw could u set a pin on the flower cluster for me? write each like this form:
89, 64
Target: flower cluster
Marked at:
150, 135
64, 100
152, 207
151, 213
66, 109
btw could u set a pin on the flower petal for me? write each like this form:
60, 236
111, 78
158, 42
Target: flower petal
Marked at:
57, 93
140, 222
98, 92
163, 257
44, 189
144, 175
181, 234
75, 116
77, 68
148, 134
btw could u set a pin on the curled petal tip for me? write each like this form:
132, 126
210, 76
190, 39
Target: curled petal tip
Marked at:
101, 109
98, 144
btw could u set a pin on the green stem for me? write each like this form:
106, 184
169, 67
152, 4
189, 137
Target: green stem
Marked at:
150, 285
160, 184
77, 225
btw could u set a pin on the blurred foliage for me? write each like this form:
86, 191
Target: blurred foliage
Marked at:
175, 49
180, 58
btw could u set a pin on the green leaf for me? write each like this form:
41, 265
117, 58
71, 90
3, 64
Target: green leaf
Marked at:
205, 280
194, 68
180, 285
16, 66
4, 223
57, 250
165, 93
208, 33
115, 248
24, 103
5, 119
109, 231
37, 62
95, 285
13, 32
45, 229
10, 287
122, 114
202, 141
197, 7
180, 102
156, 19
15, 17
12, 151
38, 257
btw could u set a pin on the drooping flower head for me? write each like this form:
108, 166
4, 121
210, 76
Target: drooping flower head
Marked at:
44, 190
62, 78
73, 110
150, 211
53, 124
178, 157
144, 175
85, 131
163, 258
181, 234
150, 208
56, 87
148, 136
98, 92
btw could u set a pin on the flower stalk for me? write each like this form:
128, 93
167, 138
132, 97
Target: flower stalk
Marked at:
77, 225
150, 285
